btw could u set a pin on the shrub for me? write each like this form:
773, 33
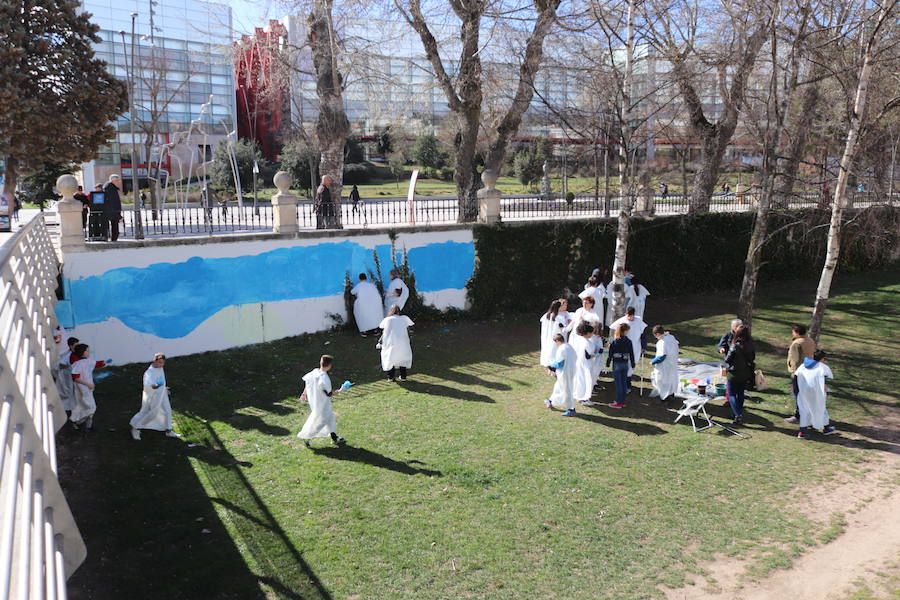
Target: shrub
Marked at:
520, 267
356, 173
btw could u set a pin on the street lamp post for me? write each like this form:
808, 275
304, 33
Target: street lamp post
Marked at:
135, 191
255, 173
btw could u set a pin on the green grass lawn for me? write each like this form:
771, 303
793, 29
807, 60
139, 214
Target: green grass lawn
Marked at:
459, 483
511, 186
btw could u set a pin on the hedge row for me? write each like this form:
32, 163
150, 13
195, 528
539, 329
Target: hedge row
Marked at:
523, 267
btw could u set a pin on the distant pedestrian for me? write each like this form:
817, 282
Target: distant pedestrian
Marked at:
664, 190
112, 207
354, 198
726, 189
85, 205
156, 412
17, 205
323, 205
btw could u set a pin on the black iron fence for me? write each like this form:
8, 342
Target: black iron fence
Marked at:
230, 218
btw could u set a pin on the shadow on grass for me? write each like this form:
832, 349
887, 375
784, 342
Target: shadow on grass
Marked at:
443, 391
278, 563
361, 455
635, 427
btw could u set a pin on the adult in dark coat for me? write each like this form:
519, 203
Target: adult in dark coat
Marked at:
324, 205
112, 207
85, 205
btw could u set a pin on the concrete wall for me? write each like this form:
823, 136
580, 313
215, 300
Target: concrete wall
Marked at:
187, 296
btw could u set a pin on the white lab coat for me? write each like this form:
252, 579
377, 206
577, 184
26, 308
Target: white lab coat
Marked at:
665, 374
586, 369
634, 334
84, 406
811, 394
636, 299
156, 412
598, 293
390, 294
367, 308
564, 388
583, 315
395, 348
548, 330
321, 421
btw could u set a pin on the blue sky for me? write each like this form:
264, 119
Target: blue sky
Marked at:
247, 14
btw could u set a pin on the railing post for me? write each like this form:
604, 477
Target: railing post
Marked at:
284, 205
489, 199
69, 210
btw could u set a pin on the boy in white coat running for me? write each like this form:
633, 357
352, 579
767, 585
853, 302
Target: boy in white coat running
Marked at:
156, 412
322, 421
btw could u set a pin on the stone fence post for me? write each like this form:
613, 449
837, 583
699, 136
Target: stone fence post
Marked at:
284, 205
69, 211
489, 199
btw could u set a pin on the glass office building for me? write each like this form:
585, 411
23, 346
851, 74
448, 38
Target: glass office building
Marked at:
182, 60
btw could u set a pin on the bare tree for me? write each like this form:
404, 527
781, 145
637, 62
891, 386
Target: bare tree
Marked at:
332, 125
463, 84
870, 37
712, 50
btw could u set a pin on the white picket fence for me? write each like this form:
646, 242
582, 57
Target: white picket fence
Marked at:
39, 542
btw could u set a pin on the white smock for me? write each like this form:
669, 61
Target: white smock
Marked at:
367, 308
637, 327
395, 348
811, 394
391, 297
64, 384
84, 405
583, 315
598, 293
321, 421
665, 374
549, 328
586, 369
564, 388
636, 299
156, 412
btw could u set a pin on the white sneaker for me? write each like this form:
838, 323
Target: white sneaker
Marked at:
172, 434
136, 434
589, 403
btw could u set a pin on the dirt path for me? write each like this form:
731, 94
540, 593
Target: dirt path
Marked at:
869, 545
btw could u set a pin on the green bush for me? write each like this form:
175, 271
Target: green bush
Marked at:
356, 173
522, 267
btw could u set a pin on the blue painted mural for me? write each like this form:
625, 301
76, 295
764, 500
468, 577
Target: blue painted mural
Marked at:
170, 300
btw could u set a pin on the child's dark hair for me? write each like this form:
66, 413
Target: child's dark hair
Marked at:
79, 349
584, 328
818, 355
362, 277
559, 338
659, 329
72, 340
593, 281
630, 310
326, 361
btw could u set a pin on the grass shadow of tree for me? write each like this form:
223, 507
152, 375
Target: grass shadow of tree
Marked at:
368, 457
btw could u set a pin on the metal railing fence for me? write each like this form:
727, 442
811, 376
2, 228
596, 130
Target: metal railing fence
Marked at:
377, 212
39, 541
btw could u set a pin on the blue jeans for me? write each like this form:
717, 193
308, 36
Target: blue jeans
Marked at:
620, 376
736, 396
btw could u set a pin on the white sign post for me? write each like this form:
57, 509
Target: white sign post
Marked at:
411, 197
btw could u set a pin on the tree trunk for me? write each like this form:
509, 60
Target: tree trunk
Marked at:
752, 263
789, 163
714, 142
467, 183
684, 176
11, 178
840, 189
622, 235
332, 125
